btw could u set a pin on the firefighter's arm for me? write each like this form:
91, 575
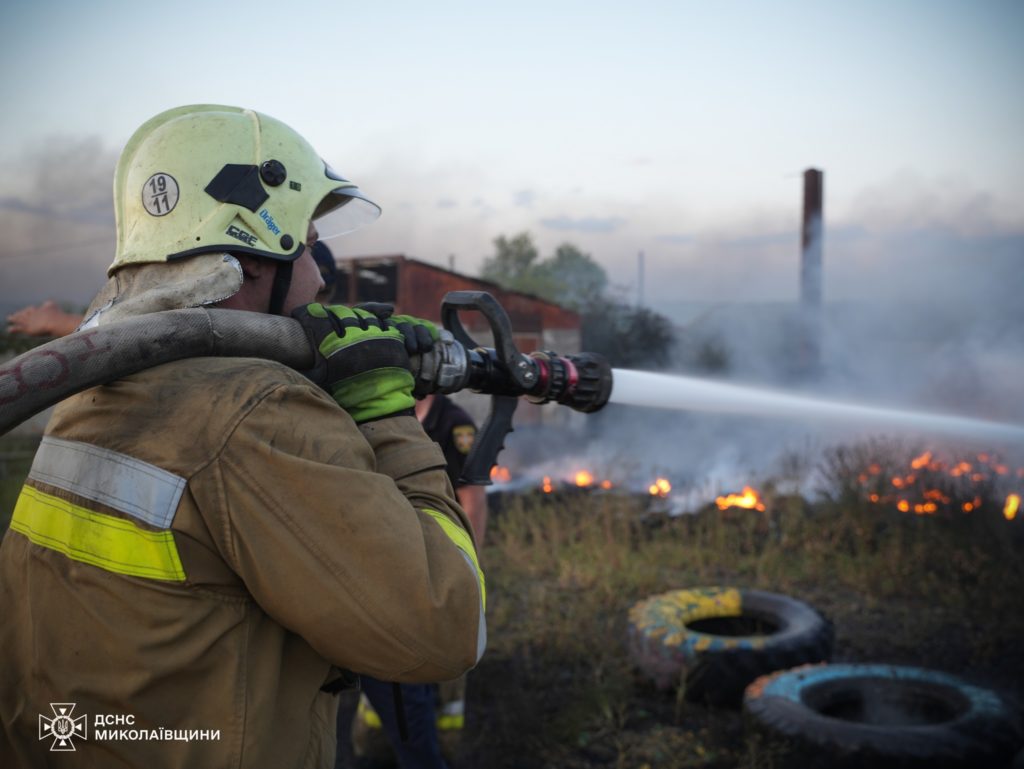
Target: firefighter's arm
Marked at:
350, 537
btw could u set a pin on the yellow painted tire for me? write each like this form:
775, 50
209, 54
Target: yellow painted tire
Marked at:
713, 641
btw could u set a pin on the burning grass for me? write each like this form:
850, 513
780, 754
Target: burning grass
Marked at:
938, 589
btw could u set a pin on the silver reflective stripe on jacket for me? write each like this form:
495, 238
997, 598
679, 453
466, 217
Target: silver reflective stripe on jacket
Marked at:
131, 486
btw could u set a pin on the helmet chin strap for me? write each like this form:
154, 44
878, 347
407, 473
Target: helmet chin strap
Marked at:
279, 289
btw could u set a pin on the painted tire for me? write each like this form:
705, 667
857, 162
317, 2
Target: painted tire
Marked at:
715, 640
880, 716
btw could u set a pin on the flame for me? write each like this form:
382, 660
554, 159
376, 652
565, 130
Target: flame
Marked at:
660, 488
748, 499
1011, 506
606, 484
903, 506
547, 486
500, 474
584, 479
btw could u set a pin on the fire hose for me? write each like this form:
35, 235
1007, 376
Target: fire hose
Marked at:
56, 370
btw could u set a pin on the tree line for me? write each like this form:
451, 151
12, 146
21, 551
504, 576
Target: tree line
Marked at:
629, 336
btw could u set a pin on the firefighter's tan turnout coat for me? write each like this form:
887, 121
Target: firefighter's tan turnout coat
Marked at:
202, 546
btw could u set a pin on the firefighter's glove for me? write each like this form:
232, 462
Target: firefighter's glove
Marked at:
361, 360
420, 335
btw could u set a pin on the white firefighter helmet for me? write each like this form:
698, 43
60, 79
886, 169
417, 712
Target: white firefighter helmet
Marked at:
211, 178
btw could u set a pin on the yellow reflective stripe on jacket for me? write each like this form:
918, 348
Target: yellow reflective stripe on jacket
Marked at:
112, 544
462, 540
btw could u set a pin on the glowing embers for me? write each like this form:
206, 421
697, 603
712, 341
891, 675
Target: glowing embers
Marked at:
552, 482
934, 485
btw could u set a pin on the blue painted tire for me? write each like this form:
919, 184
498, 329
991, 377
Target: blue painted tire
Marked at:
880, 716
713, 641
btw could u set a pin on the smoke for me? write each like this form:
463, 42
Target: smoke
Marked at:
59, 223
922, 310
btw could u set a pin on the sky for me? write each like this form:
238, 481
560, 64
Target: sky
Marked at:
677, 129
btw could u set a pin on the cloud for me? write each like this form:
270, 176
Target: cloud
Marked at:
584, 224
787, 237
447, 203
677, 239
524, 198
909, 200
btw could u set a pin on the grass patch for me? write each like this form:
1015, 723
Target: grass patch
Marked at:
556, 687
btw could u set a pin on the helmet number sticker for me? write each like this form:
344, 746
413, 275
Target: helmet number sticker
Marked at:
160, 194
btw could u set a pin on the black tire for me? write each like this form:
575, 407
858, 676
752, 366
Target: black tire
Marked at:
880, 716
714, 641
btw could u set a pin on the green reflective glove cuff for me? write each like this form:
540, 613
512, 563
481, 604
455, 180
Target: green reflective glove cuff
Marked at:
375, 394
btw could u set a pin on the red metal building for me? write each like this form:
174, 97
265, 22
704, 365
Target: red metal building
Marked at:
417, 288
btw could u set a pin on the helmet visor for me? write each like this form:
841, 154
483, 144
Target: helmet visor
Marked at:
345, 209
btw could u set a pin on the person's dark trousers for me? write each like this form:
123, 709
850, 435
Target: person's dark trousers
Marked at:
420, 749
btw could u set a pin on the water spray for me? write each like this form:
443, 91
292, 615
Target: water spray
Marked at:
682, 393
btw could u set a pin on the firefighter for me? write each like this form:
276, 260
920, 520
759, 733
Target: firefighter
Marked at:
203, 550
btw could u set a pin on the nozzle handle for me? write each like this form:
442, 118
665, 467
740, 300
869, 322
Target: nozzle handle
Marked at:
517, 365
